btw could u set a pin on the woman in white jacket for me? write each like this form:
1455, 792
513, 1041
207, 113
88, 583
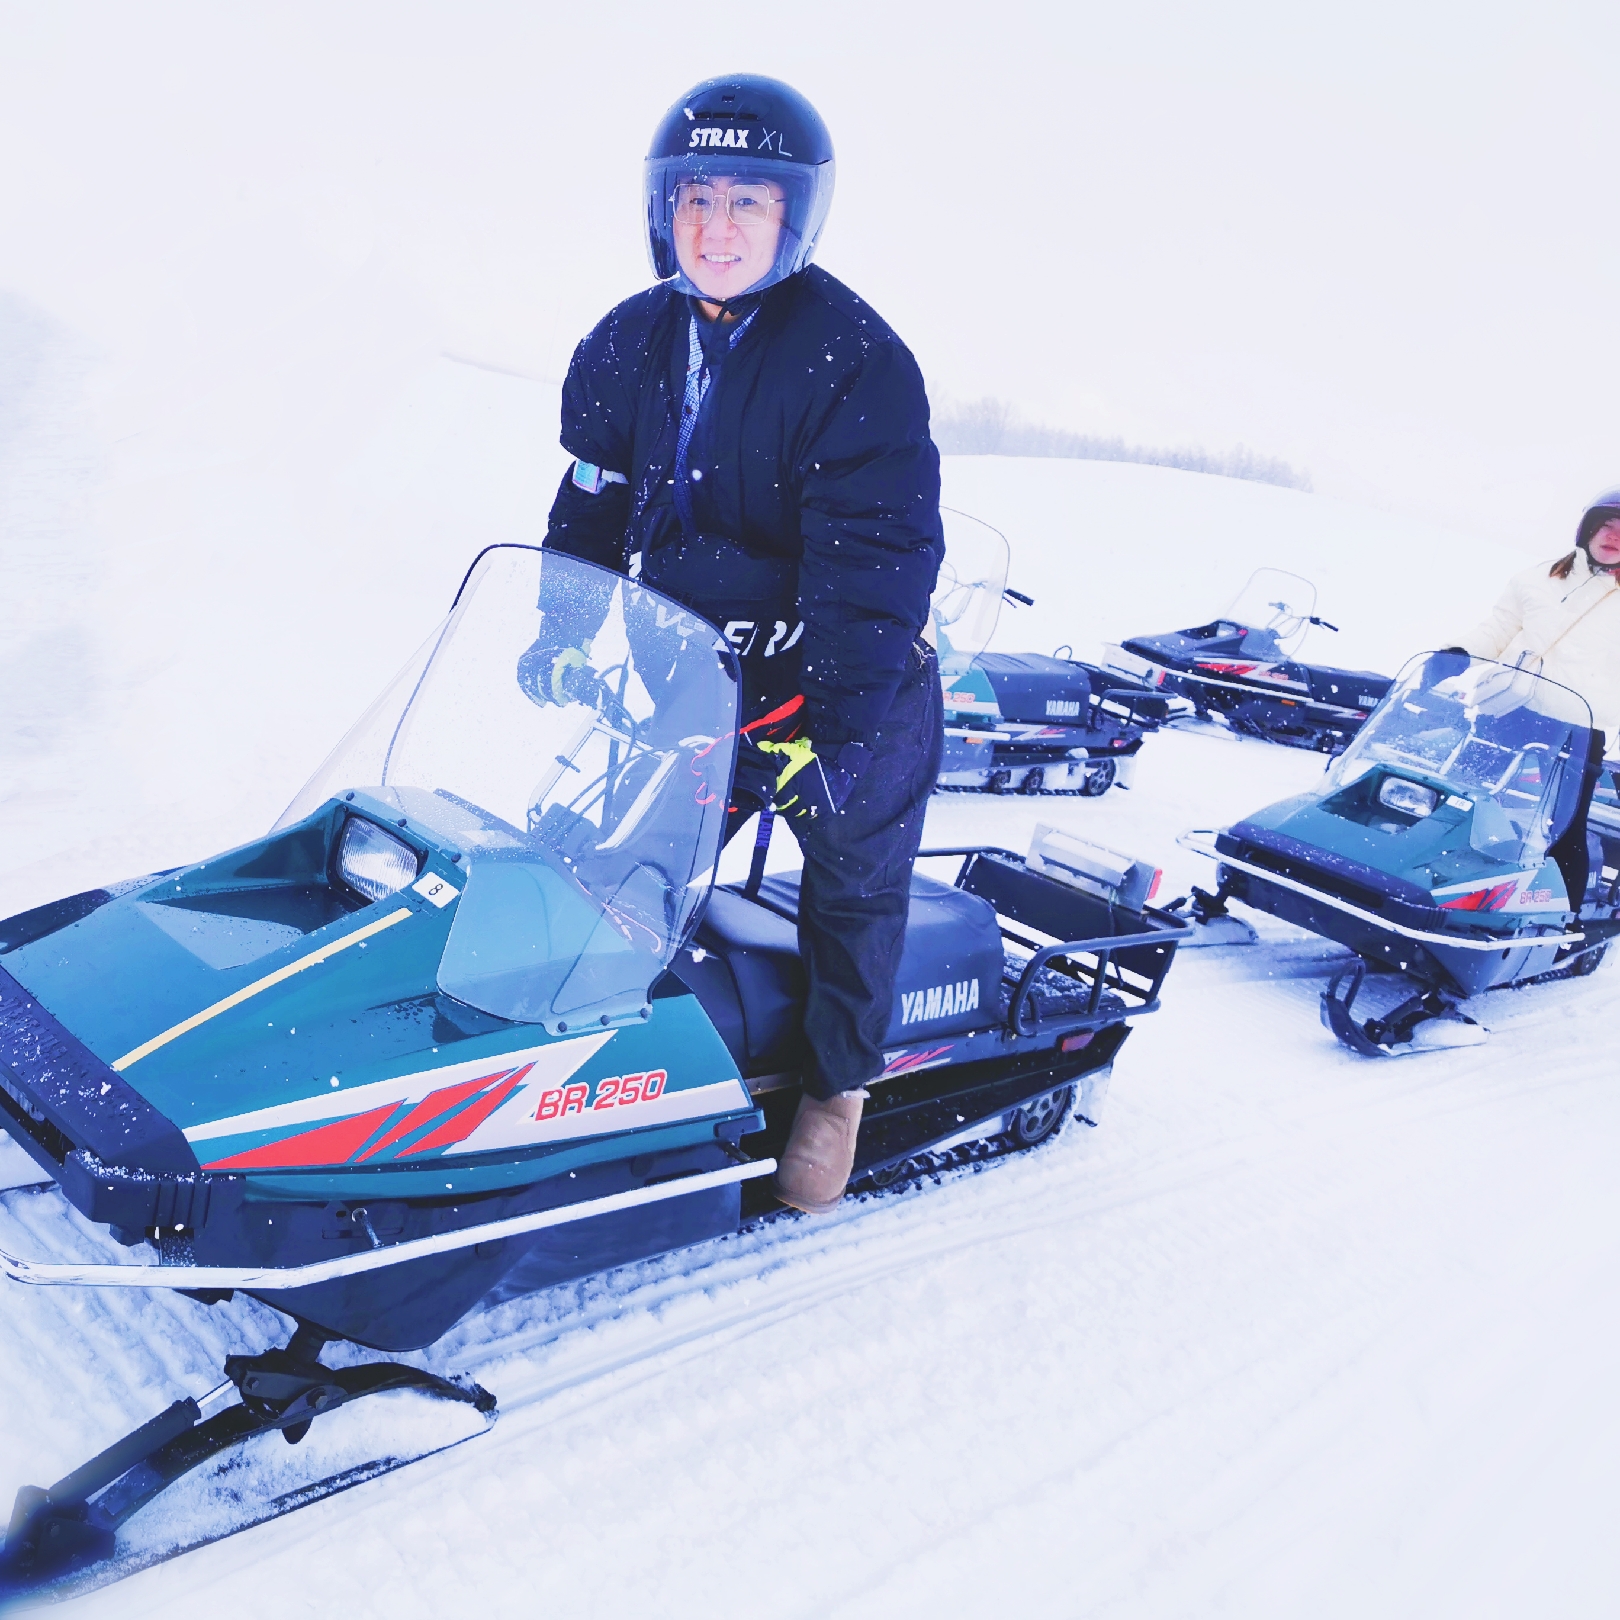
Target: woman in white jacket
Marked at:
1562, 619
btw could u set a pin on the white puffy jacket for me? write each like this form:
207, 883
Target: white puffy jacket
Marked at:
1567, 630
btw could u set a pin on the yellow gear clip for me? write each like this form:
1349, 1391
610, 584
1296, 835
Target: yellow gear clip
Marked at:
799, 753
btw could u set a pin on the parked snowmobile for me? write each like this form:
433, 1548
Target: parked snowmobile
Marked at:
1452, 842
1029, 723
1240, 669
472, 1021
1024, 722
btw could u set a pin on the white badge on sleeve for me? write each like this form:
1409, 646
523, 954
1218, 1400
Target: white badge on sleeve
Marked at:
593, 480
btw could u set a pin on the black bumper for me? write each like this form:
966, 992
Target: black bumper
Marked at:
118, 1160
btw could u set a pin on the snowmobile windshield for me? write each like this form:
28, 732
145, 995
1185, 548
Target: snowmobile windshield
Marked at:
1501, 742
572, 734
1276, 609
967, 597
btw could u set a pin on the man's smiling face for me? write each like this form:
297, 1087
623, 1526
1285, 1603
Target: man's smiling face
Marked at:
726, 232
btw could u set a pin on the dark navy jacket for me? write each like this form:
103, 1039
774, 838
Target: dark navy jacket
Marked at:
815, 487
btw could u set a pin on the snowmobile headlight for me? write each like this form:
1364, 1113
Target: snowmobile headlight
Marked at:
1410, 798
374, 863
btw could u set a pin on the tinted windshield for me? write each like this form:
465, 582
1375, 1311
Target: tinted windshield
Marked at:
1511, 743
1276, 608
967, 598
589, 807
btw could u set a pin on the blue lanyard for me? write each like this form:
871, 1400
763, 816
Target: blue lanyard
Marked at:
698, 378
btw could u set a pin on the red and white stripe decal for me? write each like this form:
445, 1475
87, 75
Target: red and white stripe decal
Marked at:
553, 1062
1489, 894
516, 1100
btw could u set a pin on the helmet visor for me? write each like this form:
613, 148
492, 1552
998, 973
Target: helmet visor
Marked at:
722, 224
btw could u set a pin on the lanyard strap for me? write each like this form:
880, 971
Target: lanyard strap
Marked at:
699, 374
1604, 597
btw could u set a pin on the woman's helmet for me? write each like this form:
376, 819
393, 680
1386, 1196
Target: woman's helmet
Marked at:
1605, 507
744, 128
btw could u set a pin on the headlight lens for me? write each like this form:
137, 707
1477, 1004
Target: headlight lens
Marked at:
374, 863
1410, 798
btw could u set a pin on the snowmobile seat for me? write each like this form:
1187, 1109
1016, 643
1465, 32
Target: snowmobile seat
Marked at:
747, 972
1033, 689
1347, 688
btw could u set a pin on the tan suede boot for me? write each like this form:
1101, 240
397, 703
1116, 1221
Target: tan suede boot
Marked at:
815, 1165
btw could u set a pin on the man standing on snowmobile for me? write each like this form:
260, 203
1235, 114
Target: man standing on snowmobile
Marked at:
758, 437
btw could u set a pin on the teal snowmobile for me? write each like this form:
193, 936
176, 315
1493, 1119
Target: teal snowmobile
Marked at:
1024, 722
1454, 842
1242, 669
474, 1020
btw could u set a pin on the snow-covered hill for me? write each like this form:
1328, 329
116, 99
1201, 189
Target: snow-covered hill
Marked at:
1290, 1334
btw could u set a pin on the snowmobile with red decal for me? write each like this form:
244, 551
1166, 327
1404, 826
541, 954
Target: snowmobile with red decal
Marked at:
473, 1020
1455, 843
1024, 722
1240, 670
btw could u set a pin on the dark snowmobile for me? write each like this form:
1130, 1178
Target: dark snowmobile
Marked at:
472, 1021
1028, 723
1240, 670
1455, 841
1023, 722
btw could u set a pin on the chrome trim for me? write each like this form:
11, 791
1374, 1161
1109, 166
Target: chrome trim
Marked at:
42, 1273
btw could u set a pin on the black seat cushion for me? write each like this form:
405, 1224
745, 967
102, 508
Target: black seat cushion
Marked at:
747, 972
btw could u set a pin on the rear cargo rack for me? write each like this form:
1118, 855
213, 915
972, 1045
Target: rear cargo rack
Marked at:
1119, 956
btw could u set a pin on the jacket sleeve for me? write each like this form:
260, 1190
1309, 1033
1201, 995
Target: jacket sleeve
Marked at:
1490, 638
598, 426
869, 517
597, 423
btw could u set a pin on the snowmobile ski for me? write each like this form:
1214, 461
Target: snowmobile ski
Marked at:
1427, 1022
67, 1535
1212, 923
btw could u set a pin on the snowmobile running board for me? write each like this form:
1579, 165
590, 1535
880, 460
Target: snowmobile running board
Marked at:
1190, 840
249, 1278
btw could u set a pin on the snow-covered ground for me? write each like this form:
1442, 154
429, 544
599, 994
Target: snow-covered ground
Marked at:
1291, 1334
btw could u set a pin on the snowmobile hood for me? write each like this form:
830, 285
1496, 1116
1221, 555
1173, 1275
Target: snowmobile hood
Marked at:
245, 981
248, 1014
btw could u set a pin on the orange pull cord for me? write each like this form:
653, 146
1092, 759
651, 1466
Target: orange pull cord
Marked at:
775, 717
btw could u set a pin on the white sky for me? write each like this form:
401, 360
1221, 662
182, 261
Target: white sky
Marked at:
1376, 240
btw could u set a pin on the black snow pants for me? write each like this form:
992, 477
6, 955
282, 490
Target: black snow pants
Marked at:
856, 890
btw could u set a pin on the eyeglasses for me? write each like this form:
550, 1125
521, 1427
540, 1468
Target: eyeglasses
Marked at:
747, 206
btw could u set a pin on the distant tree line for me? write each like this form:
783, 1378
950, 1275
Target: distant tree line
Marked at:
992, 427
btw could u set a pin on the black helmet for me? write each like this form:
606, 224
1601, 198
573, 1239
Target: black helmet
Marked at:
746, 129
1605, 507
